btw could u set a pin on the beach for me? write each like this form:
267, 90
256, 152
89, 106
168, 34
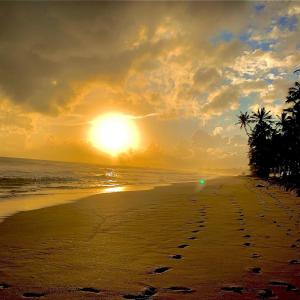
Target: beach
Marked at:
232, 238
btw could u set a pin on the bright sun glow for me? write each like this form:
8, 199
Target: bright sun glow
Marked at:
114, 133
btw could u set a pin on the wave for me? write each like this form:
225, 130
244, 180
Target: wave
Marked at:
24, 176
12, 181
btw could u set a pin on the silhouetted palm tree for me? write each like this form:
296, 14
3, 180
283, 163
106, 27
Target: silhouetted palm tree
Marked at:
294, 94
281, 144
274, 145
244, 121
260, 142
293, 100
282, 121
262, 116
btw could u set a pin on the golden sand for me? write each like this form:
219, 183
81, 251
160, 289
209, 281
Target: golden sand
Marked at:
229, 240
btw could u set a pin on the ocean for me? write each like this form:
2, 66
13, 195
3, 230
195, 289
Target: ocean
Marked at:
28, 184
20, 176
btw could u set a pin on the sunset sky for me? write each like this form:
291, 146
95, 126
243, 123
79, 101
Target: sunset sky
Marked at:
182, 71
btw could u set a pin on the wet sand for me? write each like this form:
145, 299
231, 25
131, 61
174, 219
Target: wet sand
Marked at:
27, 202
229, 240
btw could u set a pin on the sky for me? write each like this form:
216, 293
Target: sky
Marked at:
184, 70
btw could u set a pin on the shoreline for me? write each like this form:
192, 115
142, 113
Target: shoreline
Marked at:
182, 241
48, 198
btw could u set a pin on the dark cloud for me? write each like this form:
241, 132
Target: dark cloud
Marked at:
207, 77
225, 98
49, 49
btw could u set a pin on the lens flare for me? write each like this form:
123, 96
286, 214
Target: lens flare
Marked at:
202, 181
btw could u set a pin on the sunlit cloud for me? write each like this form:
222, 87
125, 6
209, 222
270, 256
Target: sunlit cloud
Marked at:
167, 66
144, 116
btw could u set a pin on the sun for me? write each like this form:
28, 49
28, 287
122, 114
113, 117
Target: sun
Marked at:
114, 133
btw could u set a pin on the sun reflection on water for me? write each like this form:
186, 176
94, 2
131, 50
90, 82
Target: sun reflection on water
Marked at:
114, 189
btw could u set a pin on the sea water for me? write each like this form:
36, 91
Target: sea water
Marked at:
27, 184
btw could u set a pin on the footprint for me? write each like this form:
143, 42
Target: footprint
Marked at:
176, 256
195, 231
255, 270
235, 289
247, 236
255, 255
260, 185
33, 295
161, 270
289, 287
4, 285
90, 290
200, 226
192, 238
182, 246
180, 289
247, 244
265, 293
294, 261
147, 293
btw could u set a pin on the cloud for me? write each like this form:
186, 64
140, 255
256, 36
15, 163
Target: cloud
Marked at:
64, 63
50, 51
207, 78
13, 119
205, 140
217, 130
144, 116
223, 99
162, 51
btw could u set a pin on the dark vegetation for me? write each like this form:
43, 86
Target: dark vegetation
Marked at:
274, 142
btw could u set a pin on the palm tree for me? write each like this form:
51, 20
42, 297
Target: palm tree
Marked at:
293, 133
282, 120
244, 121
261, 156
281, 142
274, 145
294, 94
262, 116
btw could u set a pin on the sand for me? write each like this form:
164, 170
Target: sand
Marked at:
228, 240
27, 202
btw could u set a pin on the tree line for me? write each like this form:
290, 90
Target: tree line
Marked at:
274, 142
